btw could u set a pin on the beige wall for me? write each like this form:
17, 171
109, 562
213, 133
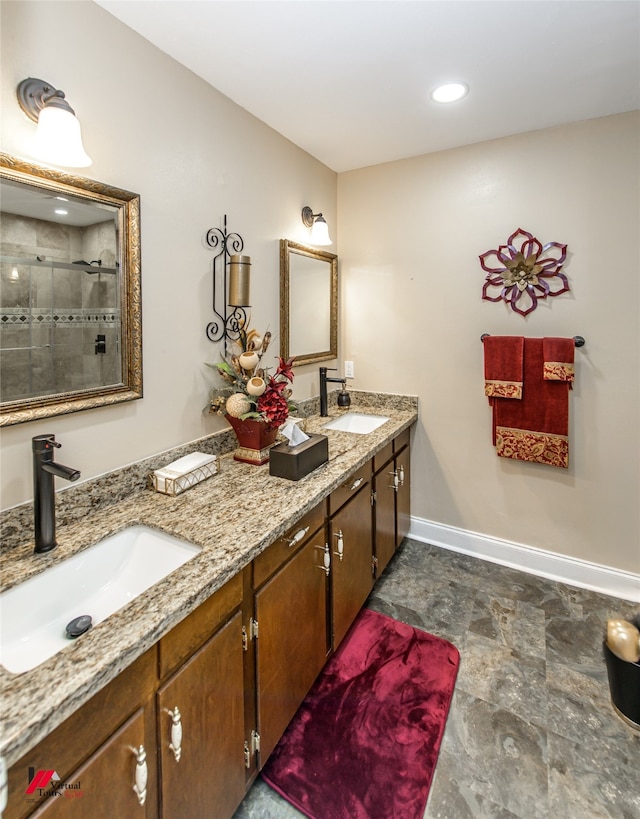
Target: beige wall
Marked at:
412, 315
153, 127
411, 233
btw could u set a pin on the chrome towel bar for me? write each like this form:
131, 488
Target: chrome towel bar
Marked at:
579, 341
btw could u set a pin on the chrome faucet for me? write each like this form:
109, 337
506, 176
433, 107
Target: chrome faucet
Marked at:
44, 470
344, 399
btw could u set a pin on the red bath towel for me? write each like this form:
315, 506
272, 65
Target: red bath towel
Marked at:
536, 426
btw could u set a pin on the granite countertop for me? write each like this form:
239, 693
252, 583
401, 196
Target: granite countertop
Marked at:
232, 516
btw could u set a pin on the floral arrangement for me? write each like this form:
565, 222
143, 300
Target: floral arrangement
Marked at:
249, 391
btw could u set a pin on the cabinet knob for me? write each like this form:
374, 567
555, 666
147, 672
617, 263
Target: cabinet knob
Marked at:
176, 732
340, 544
141, 775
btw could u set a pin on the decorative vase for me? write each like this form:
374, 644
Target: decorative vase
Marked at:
255, 438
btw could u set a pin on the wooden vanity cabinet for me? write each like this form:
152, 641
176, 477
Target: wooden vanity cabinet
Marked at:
290, 626
350, 542
209, 702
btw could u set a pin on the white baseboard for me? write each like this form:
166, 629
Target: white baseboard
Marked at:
570, 570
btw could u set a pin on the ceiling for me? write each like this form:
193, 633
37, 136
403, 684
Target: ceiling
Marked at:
349, 80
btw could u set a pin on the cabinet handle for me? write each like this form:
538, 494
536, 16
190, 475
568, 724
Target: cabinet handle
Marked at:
401, 474
340, 551
299, 535
140, 786
354, 485
396, 481
326, 559
176, 732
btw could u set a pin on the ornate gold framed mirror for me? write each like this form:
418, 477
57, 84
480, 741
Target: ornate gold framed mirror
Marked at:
308, 303
70, 301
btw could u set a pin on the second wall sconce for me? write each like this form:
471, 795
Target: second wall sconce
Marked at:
318, 225
58, 139
234, 271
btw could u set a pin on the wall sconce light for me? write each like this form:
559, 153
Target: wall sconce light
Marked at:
234, 270
58, 139
318, 225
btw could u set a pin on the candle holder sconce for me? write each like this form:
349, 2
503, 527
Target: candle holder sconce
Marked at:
232, 271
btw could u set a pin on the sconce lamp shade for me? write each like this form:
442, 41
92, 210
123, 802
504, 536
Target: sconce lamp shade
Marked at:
58, 139
239, 281
320, 232
318, 225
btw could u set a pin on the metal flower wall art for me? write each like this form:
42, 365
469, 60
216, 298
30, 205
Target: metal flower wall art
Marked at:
523, 271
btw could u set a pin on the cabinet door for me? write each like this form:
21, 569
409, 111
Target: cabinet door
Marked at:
202, 760
291, 611
403, 496
103, 787
351, 576
384, 536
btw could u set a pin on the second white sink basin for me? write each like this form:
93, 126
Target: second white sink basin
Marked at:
358, 422
96, 582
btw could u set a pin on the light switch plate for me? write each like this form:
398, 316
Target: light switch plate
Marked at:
348, 369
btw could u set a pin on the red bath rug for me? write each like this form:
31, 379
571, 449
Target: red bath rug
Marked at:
364, 743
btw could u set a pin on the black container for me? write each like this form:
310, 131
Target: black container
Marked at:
624, 685
294, 462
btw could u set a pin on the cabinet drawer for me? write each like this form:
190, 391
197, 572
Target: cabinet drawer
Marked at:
402, 440
181, 642
287, 545
355, 482
381, 458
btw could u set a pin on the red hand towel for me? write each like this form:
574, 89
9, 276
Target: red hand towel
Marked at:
503, 356
558, 354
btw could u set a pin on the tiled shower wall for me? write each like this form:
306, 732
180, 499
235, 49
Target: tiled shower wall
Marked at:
49, 317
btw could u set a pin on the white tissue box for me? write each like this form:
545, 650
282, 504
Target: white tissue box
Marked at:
184, 473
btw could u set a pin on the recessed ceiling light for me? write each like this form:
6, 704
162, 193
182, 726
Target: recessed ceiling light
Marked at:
451, 92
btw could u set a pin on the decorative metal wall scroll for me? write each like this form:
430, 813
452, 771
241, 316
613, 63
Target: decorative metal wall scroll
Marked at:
525, 270
229, 319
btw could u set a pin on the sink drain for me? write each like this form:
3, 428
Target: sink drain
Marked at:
78, 626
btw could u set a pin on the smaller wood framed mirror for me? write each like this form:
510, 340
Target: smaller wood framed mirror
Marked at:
308, 303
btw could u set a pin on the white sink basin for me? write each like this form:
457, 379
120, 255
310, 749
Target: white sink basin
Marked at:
98, 581
358, 422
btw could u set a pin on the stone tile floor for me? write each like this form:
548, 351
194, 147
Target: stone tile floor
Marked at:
531, 733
